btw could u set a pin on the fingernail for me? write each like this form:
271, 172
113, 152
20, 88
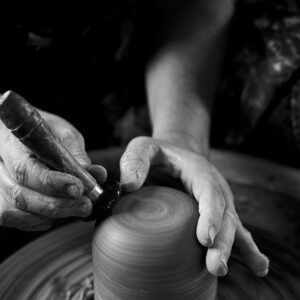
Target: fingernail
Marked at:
211, 234
224, 269
73, 190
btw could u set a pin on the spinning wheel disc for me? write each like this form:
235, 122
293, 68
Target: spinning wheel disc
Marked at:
58, 265
46, 268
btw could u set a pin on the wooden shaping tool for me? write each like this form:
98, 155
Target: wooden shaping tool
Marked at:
26, 123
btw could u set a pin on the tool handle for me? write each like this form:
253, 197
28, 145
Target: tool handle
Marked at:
26, 123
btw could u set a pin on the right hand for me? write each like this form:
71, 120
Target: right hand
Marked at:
219, 225
32, 195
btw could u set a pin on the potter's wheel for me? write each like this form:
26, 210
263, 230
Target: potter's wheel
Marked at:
44, 268
60, 262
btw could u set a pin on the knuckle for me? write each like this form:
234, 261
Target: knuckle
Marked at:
207, 173
70, 134
46, 180
67, 132
204, 164
210, 169
53, 210
231, 215
17, 198
19, 171
216, 192
199, 161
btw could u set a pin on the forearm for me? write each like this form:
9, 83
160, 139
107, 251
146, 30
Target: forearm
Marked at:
183, 72
181, 80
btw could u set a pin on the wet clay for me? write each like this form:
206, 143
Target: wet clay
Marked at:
148, 249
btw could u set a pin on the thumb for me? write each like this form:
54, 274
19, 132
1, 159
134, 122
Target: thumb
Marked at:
77, 149
76, 146
136, 161
68, 135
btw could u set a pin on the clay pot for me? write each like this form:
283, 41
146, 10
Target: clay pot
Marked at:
148, 249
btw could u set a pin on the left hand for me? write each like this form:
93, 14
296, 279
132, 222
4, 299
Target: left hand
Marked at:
219, 225
31, 194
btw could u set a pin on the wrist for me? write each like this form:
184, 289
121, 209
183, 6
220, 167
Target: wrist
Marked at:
184, 139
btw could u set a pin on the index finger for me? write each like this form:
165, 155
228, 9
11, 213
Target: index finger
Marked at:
30, 172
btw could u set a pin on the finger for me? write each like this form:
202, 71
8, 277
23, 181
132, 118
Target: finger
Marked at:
135, 162
98, 172
202, 181
218, 255
13, 217
43, 226
30, 172
255, 260
211, 208
35, 202
53, 207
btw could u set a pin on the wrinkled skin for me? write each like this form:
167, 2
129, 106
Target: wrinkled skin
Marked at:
219, 225
31, 195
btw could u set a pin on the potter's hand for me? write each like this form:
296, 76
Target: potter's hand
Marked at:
31, 195
219, 225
